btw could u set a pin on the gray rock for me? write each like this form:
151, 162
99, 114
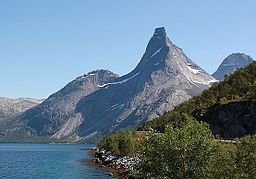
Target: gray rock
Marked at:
56, 115
231, 64
231, 120
164, 78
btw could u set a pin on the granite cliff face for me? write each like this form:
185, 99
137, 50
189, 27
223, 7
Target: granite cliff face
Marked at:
231, 64
101, 102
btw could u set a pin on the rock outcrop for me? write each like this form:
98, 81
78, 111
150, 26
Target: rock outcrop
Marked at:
235, 119
123, 164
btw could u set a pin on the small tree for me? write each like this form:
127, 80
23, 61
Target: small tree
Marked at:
121, 143
181, 152
125, 142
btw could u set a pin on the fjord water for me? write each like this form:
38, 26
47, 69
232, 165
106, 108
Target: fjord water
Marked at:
36, 161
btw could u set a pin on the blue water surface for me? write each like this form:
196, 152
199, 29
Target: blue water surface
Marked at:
47, 161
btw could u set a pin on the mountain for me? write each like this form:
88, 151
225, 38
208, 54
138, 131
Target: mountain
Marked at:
229, 107
12, 107
101, 102
231, 64
164, 78
58, 111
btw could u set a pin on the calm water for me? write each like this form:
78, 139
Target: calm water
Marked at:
47, 161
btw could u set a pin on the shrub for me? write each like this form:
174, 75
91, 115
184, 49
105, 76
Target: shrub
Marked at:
246, 157
120, 143
181, 152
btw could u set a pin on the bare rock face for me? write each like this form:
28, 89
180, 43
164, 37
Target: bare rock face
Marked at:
58, 111
231, 120
11, 107
101, 102
231, 64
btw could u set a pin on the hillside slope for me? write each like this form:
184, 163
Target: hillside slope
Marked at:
58, 111
229, 107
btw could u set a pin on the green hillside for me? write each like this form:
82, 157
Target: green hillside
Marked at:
227, 104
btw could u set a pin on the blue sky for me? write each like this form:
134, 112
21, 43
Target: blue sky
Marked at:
44, 44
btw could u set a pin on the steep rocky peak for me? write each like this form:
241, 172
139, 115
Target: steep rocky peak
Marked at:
156, 50
160, 32
158, 40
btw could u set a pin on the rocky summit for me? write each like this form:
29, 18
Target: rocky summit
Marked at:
231, 64
101, 102
57, 113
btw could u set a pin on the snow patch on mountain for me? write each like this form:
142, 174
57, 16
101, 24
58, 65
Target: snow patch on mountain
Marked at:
118, 82
195, 71
156, 52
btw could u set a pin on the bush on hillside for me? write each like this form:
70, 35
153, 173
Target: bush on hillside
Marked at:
190, 151
246, 157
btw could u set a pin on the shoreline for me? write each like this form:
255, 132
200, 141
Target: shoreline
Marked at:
112, 172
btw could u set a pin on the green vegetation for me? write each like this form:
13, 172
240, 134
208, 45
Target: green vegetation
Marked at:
246, 157
222, 163
186, 150
181, 152
190, 151
239, 86
122, 142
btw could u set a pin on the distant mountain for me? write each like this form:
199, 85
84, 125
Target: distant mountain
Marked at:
231, 64
12, 107
228, 107
101, 102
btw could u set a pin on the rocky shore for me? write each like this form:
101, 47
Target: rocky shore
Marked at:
117, 166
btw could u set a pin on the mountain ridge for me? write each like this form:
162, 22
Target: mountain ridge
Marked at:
101, 102
10, 107
57, 109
